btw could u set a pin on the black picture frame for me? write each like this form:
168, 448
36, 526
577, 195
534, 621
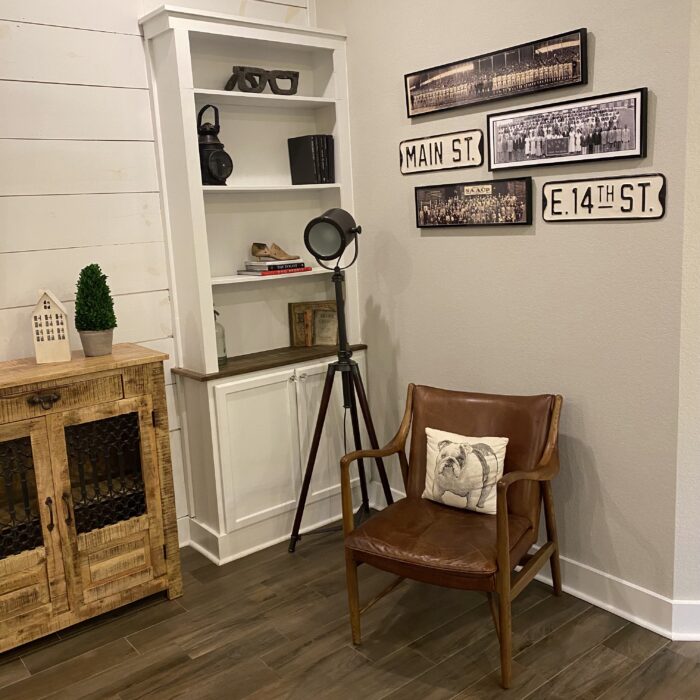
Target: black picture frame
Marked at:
604, 179
453, 186
564, 106
466, 164
581, 79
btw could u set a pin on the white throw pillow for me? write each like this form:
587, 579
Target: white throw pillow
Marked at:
462, 471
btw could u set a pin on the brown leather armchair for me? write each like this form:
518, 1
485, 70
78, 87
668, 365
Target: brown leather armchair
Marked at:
426, 541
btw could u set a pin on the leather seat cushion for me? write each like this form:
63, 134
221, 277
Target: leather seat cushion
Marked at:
420, 534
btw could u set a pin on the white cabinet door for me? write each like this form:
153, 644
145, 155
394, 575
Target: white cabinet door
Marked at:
259, 447
326, 476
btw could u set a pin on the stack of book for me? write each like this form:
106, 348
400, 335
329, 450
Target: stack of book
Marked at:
311, 159
267, 268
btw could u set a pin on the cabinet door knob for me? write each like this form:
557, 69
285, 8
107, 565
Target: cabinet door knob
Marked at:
49, 503
43, 400
302, 377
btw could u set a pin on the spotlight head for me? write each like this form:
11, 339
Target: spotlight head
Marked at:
327, 236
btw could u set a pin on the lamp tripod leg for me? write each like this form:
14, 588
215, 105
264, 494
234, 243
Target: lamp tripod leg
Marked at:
313, 451
364, 406
358, 444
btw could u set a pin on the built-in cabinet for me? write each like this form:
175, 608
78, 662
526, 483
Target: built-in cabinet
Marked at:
263, 425
248, 423
86, 497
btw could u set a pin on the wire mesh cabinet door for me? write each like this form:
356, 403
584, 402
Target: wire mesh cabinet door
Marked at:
106, 474
32, 584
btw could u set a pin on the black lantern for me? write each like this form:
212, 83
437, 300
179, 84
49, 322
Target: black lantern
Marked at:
215, 163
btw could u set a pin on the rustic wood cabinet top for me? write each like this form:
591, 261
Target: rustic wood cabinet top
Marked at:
26, 370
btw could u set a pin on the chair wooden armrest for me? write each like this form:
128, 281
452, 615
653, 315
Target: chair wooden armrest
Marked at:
395, 446
544, 472
391, 449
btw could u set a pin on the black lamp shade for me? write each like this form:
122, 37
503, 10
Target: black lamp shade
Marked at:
327, 236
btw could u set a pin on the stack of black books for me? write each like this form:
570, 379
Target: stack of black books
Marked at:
311, 159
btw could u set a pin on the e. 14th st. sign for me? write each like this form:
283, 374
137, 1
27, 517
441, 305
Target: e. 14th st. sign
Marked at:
460, 149
596, 199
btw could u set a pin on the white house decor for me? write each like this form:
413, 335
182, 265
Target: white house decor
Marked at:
50, 329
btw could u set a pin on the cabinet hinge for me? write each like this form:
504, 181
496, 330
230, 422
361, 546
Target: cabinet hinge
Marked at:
153, 418
165, 551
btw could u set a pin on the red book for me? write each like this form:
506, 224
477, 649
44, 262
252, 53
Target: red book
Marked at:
268, 273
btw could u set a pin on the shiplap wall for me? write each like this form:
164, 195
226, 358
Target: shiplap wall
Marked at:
79, 178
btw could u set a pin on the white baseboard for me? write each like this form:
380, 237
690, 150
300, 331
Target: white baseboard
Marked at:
183, 531
674, 619
224, 547
686, 620
628, 600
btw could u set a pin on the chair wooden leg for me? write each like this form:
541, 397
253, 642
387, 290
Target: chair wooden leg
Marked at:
551, 524
505, 639
353, 597
494, 611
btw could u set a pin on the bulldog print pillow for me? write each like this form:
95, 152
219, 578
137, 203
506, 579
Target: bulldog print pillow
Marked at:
462, 471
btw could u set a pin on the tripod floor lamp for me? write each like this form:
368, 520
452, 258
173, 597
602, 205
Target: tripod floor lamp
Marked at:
327, 237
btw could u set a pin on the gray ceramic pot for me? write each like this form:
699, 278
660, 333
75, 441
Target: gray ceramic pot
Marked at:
96, 343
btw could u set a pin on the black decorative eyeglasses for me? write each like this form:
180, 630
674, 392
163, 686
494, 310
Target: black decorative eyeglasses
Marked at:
249, 79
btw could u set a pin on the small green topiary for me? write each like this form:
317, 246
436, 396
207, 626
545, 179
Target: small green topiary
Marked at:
94, 307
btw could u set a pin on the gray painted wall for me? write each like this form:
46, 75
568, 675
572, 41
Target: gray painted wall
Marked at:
588, 310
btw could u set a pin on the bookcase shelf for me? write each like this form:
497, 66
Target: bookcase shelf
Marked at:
245, 279
240, 503
264, 99
212, 227
232, 189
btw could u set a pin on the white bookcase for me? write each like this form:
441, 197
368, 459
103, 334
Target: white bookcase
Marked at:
210, 230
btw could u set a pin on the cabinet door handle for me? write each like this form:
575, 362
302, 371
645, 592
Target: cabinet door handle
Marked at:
302, 377
49, 503
44, 400
66, 503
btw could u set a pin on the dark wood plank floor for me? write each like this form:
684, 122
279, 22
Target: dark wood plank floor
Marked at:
274, 625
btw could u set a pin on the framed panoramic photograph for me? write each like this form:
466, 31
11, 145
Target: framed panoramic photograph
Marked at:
594, 128
485, 203
459, 149
553, 62
605, 198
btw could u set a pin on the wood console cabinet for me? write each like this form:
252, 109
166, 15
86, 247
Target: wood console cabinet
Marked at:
87, 513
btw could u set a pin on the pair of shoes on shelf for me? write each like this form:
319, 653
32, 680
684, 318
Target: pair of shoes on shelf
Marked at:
262, 250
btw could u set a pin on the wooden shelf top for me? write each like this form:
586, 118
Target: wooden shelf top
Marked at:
268, 359
27, 371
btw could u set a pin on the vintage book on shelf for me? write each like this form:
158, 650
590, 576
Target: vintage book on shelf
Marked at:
87, 512
310, 160
269, 273
274, 265
325, 327
313, 323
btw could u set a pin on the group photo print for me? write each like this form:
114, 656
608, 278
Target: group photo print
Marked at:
596, 128
486, 203
538, 65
